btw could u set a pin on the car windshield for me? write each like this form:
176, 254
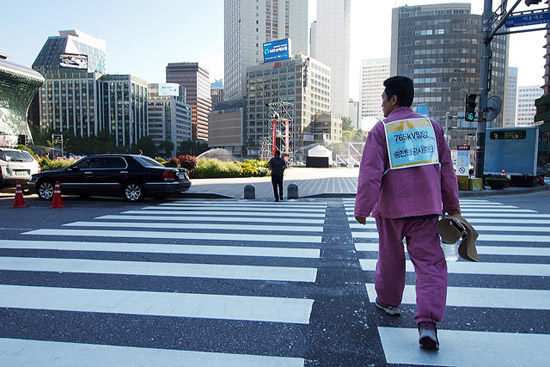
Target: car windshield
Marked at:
15, 156
147, 161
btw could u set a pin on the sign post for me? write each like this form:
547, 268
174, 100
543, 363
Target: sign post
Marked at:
463, 160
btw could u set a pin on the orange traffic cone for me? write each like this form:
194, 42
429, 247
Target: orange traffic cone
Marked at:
57, 202
19, 202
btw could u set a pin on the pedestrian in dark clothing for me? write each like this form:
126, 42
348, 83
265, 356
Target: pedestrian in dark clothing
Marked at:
277, 166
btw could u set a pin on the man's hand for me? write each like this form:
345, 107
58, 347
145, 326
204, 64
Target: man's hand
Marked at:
453, 211
361, 220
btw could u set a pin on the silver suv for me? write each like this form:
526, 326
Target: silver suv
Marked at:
16, 165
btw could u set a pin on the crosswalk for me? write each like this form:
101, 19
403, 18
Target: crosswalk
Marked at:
186, 263
513, 250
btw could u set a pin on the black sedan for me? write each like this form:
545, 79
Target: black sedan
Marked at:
127, 175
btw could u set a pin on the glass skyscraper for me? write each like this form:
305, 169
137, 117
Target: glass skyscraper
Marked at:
439, 46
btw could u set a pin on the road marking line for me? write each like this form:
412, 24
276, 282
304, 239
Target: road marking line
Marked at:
24, 352
527, 299
482, 237
251, 214
481, 250
203, 236
483, 348
161, 269
195, 226
209, 219
287, 252
210, 306
239, 209
477, 268
479, 228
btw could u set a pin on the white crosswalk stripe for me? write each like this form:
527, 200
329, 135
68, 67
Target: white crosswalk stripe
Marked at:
20, 352
522, 235
230, 237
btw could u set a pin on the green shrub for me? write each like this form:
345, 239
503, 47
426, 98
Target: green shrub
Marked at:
172, 162
214, 168
188, 161
46, 164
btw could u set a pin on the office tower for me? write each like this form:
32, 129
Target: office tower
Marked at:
248, 24
526, 105
123, 107
168, 114
354, 113
71, 64
18, 85
371, 86
302, 84
439, 47
511, 98
227, 127
330, 40
72, 49
196, 81
216, 93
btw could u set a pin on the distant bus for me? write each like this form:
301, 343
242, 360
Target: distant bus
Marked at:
523, 152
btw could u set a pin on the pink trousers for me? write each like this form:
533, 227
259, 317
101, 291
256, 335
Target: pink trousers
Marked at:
423, 246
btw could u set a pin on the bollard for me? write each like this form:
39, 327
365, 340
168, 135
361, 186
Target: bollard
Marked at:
249, 192
292, 191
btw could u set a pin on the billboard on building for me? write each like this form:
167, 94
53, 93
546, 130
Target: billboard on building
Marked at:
73, 61
277, 50
169, 89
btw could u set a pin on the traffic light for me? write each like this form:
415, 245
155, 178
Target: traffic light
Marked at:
470, 114
532, 2
22, 140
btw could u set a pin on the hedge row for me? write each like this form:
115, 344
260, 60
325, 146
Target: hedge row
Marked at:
198, 168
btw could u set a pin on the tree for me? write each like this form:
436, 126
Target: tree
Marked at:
147, 146
167, 147
347, 124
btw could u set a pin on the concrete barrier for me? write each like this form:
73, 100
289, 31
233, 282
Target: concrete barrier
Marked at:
292, 191
249, 192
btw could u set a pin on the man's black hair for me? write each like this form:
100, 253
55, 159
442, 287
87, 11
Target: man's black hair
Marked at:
402, 87
277, 153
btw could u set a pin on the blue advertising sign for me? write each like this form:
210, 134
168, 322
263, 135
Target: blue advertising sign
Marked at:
277, 50
529, 19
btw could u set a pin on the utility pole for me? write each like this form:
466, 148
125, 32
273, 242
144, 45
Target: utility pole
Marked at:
483, 88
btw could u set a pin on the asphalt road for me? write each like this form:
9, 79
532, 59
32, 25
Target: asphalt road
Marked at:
256, 283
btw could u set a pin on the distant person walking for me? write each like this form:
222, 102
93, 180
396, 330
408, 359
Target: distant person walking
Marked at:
406, 181
277, 166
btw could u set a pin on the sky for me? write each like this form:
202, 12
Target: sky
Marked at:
144, 36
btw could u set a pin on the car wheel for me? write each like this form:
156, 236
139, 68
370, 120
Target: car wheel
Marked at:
133, 191
45, 189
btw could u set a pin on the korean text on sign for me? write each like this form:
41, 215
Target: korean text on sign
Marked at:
411, 143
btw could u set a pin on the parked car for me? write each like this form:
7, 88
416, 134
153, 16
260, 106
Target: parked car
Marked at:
16, 165
127, 175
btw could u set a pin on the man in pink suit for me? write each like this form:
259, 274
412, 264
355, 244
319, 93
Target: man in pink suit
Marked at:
406, 181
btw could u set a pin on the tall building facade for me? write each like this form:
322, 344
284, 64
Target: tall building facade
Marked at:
168, 115
71, 64
439, 47
216, 94
526, 105
511, 98
248, 24
196, 81
303, 84
371, 86
72, 49
123, 107
330, 44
